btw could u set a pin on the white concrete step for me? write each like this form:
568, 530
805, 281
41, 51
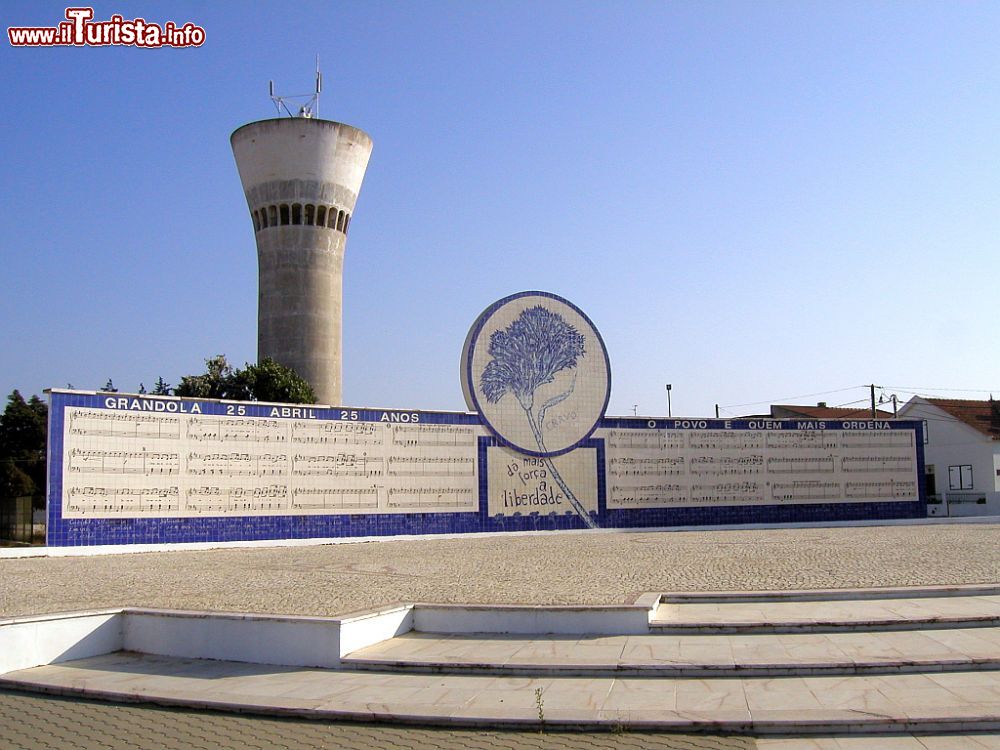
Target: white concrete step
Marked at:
824, 612
759, 655
544, 666
938, 702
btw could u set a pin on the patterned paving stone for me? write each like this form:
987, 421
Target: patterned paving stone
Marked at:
573, 568
30, 721
595, 568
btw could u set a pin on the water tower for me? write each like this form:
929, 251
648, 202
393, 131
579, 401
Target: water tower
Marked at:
301, 176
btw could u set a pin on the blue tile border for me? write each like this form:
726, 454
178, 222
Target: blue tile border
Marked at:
82, 532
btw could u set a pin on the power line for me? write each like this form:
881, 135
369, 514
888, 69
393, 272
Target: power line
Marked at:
849, 403
789, 398
915, 389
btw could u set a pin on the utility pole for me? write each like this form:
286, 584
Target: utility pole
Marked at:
669, 408
716, 411
873, 401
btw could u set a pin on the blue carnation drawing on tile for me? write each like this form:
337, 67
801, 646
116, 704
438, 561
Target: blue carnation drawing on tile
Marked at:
526, 355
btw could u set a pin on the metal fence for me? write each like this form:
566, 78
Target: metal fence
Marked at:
956, 504
16, 522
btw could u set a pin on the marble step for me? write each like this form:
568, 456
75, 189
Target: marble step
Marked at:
827, 612
859, 704
840, 653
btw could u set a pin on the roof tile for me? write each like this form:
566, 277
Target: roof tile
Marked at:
983, 416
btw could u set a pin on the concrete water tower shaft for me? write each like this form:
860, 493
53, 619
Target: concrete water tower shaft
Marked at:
301, 176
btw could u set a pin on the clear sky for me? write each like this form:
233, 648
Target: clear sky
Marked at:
752, 201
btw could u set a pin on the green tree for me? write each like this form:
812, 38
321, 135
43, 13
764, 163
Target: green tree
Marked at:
109, 387
14, 482
161, 388
271, 381
266, 381
212, 384
23, 437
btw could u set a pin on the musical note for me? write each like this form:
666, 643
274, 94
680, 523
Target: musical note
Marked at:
237, 464
432, 497
313, 499
881, 490
122, 500
639, 467
97, 423
244, 500
422, 466
802, 439
411, 436
805, 490
877, 463
725, 492
725, 440
660, 440
122, 462
334, 433
801, 465
727, 465
650, 495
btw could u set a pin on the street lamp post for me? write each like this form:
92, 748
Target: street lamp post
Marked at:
669, 409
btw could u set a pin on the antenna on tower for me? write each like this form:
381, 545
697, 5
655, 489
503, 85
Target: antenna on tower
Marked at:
311, 106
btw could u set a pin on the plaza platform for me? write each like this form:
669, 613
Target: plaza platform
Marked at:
864, 662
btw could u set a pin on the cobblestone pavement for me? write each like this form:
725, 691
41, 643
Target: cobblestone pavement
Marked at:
32, 721
571, 568
584, 568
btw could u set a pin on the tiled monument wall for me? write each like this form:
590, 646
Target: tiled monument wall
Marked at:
140, 469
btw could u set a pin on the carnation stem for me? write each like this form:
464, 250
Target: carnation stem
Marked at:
577, 505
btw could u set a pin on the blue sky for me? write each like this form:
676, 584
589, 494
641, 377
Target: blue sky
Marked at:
752, 201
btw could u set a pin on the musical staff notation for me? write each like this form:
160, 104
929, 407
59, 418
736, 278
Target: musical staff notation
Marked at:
337, 433
877, 463
643, 467
237, 464
801, 465
440, 466
808, 490
725, 492
736, 440
241, 465
122, 462
882, 489
412, 436
757, 466
123, 424
306, 498
195, 464
431, 497
90, 500
207, 499
726, 465
660, 440
338, 464
649, 495
803, 440
243, 430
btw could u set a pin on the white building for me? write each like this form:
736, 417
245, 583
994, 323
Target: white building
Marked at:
961, 452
